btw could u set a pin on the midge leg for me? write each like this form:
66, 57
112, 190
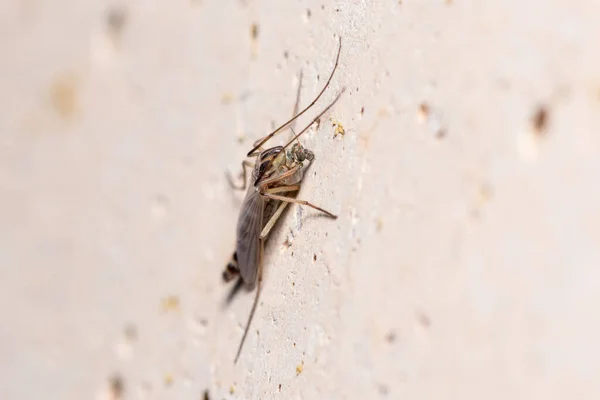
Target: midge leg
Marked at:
269, 225
280, 189
269, 194
263, 236
266, 182
245, 164
261, 243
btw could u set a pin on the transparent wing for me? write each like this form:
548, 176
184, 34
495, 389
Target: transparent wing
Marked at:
248, 233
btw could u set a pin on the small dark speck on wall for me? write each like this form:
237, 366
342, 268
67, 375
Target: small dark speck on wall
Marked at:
540, 120
117, 386
116, 19
254, 31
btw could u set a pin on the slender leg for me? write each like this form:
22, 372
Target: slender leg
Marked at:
317, 117
296, 201
257, 141
263, 235
269, 225
281, 189
260, 270
261, 240
245, 164
266, 182
256, 153
267, 229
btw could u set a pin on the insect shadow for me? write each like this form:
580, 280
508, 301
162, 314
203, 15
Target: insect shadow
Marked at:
275, 182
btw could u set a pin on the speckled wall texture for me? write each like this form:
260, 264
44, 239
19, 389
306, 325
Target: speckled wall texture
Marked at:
463, 161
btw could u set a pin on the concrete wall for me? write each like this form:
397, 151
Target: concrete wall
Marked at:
464, 263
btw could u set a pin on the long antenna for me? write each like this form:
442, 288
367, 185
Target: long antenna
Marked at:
270, 135
315, 119
251, 316
259, 177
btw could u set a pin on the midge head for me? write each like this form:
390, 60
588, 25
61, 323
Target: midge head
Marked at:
272, 159
297, 154
275, 155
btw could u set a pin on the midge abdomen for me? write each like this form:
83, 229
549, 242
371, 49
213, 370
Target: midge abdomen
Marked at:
254, 215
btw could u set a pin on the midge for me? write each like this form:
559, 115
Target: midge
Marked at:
276, 178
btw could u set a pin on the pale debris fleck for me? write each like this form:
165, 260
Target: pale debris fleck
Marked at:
339, 128
299, 368
227, 98
254, 30
484, 194
379, 224
170, 303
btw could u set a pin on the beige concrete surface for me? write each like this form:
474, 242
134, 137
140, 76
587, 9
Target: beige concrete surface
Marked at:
465, 261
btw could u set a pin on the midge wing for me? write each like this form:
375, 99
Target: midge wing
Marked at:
248, 233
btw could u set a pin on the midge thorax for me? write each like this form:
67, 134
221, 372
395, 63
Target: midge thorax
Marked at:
277, 175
